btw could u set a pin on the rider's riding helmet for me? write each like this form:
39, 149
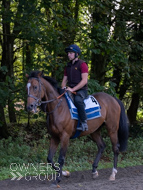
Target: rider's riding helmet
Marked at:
73, 48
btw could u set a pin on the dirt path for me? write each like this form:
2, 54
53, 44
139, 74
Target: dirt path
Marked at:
129, 178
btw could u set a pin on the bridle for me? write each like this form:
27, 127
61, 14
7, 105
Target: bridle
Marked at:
38, 101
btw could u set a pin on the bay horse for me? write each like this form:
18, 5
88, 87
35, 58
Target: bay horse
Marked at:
43, 90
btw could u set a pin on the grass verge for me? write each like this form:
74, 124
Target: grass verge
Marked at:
24, 157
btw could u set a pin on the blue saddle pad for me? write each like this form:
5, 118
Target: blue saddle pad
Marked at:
92, 108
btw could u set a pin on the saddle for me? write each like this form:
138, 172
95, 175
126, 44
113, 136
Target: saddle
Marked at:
92, 107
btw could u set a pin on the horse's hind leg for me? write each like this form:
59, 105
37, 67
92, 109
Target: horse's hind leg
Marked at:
115, 147
96, 137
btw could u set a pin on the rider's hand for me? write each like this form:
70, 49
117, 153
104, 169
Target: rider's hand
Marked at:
69, 89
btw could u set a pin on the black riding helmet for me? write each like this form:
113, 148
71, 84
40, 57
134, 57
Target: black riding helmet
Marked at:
73, 48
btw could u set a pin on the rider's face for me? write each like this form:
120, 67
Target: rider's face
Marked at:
71, 55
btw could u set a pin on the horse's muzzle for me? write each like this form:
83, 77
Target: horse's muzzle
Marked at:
32, 108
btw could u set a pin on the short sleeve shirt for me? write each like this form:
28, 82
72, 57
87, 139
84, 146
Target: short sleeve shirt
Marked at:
83, 67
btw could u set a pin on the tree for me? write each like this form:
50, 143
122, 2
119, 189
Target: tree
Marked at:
128, 75
13, 28
34, 34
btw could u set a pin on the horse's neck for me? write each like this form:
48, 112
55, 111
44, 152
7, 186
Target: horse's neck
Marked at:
50, 92
52, 95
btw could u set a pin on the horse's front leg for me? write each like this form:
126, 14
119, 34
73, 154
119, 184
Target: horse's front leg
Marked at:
64, 145
53, 147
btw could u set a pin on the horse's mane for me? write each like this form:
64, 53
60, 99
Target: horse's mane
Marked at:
52, 81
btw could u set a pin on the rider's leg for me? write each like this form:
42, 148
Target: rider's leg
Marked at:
79, 103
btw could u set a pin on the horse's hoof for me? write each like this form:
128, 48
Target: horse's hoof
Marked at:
111, 178
66, 173
53, 185
95, 175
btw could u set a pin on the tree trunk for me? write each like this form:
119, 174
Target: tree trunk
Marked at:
11, 111
98, 68
3, 126
7, 55
124, 87
132, 111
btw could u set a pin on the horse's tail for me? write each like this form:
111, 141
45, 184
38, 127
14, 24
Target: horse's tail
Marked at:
123, 131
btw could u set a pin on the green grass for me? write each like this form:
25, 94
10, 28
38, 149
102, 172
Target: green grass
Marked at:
29, 157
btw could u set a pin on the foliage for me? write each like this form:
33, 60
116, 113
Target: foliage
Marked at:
94, 86
136, 130
26, 149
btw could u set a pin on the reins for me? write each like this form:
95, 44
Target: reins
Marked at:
57, 97
48, 101
39, 102
61, 95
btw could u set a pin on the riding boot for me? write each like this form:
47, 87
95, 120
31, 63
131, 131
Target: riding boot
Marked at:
83, 126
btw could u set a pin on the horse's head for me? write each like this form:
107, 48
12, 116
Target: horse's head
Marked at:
35, 91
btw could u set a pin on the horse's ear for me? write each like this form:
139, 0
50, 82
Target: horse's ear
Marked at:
27, 75
41, 73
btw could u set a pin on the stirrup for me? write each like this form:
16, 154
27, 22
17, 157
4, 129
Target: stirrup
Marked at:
83, 126
79, 128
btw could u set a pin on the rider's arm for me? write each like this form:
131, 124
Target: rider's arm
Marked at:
64, 82
81, 83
